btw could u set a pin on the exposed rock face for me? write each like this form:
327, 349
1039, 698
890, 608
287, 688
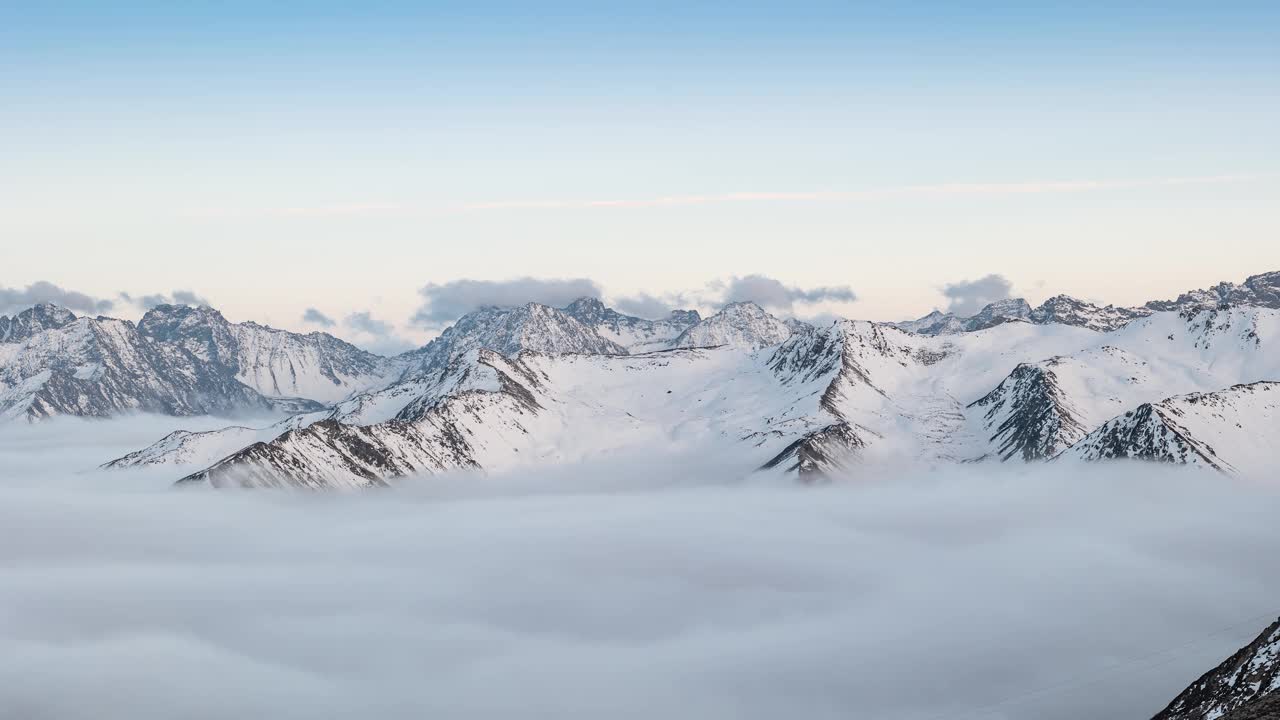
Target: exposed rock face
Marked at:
633, 333
741, 325
1029, 415
1243, 687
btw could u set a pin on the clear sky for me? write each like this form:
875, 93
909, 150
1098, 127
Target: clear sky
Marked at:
277, 156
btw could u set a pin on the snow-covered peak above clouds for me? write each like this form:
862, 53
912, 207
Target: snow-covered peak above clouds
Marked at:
740, 325
1257, 290
508, 331
44, 316
1067, 310
633, 333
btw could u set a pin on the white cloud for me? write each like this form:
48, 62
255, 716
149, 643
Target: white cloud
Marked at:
446, 302
772, 294
648, 586
15, 300
314, 316
967, 297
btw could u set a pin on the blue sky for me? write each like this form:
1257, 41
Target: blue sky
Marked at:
344, 155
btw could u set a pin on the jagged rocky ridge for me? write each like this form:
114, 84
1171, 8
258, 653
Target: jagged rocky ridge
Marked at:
782, 395
177, 360
814, 405
1256, 291
1226, 430
1245, 686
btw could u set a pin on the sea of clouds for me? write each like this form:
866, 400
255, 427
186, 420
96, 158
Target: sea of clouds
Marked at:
644, 586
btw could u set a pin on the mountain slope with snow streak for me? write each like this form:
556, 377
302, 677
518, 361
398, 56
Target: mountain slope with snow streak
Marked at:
1228, 430
1245, 686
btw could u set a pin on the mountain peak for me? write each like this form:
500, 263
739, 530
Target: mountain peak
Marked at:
42, 316
587, 309
739, 324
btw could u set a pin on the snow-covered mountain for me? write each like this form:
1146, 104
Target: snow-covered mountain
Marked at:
1228, 430
1067, 310
1043, 408
177, 360
1256, 291
276, 363
508, 331
33, 320
1060, 309
635, 334
536, 384
743, 325
1245, 686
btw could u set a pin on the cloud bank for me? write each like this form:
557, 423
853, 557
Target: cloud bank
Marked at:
772, 294
967, 297
15, 300
446, 302
643, 586
316, 317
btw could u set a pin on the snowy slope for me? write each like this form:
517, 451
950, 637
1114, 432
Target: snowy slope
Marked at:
1246, 686
101, 367
811, 406
1229, 430
1044, 407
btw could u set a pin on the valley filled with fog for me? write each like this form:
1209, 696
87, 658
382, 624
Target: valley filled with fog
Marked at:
642, 584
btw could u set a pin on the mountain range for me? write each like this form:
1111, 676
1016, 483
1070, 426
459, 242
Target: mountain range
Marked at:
1189, 381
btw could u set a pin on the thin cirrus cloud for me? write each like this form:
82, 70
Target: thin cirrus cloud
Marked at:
936, 189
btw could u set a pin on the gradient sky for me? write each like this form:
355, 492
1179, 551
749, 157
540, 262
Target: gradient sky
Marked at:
278, 156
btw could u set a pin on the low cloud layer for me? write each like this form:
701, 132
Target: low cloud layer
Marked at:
645, 586
967, 297
446, 302
15, 300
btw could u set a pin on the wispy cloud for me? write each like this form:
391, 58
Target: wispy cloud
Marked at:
1032, 187
1017, 188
